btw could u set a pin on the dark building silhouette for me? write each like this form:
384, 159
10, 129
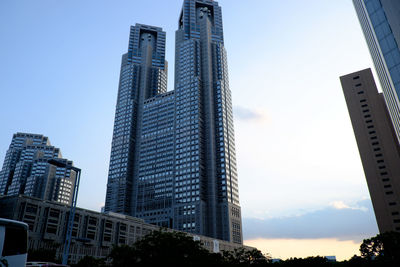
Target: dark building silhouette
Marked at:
377, 144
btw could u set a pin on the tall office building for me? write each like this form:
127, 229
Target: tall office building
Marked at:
26, 170
143, 76
173, 159
380, 21
377, 144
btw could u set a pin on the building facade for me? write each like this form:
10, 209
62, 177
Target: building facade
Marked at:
377, 144
93, 234
143, 75
173, 159
380, 22
26, 170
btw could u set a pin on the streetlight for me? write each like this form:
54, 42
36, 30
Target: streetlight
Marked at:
71, 217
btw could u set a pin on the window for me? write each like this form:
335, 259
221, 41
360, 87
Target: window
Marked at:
14, 240
356, 77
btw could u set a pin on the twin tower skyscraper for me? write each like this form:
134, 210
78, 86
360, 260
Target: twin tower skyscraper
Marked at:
173, 159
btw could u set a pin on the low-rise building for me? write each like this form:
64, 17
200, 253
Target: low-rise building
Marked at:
93, 233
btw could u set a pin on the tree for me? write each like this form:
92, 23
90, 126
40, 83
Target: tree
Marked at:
384, 246
89, 261
162, 248
243, 257
122, 256
47, 255
309, 261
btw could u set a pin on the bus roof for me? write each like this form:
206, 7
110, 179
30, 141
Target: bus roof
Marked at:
7, 222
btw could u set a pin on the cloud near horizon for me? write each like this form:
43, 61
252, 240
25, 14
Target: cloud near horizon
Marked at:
250, 114
339, 221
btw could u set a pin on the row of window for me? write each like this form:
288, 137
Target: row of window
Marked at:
375, 143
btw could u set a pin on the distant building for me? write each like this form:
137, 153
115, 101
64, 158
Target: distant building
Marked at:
93, 234
380, 22
173, 159
330, 258
377, 144
26, 170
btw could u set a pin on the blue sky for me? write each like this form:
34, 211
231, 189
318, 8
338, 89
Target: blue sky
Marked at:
298, 161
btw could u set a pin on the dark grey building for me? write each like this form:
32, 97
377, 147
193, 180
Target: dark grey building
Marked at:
26, 170
380, 21
377, 144
173, 159
143, 75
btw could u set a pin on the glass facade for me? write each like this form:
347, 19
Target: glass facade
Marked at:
154, 187
173, 159
143, 76
26, 170
381, 26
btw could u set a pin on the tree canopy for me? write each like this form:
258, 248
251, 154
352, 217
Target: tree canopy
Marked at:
162, 248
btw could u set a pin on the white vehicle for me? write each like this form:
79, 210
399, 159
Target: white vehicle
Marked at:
13, 243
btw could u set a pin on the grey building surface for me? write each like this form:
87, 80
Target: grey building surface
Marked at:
377, 144
173, 159
26, 170
380, 22
93, 234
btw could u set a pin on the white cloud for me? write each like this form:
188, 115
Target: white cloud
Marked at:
250, 114
340, 205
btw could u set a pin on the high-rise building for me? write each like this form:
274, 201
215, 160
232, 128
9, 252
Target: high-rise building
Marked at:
380, 21
26, 170
377, 144
173, 159
143, 76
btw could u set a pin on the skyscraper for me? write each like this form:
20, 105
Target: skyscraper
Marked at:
377, 144
173, 159
380, 21
143, 75
26, 170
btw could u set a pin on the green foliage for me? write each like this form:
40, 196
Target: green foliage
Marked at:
383, 247
309, 261
243, 257
46, 255
164, 249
